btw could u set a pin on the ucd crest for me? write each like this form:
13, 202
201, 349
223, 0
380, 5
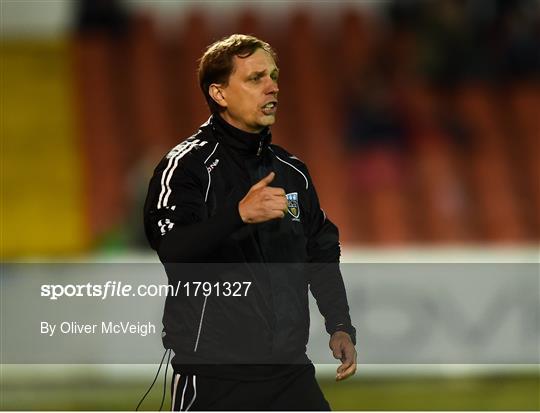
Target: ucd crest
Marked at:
292, 205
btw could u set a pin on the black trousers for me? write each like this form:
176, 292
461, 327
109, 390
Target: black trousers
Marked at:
296, 391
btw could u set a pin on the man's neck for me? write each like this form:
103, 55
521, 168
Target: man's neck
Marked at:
238, 125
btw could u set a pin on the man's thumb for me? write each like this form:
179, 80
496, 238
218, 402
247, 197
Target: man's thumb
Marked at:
265, 181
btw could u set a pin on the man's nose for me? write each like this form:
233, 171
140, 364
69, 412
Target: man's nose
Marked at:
273, 89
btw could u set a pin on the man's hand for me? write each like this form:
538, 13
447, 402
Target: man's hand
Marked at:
343, 349
262, 202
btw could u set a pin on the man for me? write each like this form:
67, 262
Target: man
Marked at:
228, 196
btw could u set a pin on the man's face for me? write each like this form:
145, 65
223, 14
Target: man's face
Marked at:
250, 97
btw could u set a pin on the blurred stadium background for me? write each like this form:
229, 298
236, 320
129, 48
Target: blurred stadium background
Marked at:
419, 120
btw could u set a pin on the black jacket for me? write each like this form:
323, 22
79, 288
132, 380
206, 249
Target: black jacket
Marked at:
191, 219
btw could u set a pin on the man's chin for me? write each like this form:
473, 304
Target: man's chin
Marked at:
268, 120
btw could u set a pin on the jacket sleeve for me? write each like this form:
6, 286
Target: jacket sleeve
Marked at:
176, 220
326, 281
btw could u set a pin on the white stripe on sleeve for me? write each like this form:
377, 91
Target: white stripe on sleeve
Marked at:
177, 158
174, 156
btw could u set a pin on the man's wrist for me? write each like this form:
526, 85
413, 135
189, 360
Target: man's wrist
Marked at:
349, 329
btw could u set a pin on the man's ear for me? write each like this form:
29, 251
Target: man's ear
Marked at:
217, 94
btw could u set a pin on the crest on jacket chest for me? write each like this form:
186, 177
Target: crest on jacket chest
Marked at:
293, 206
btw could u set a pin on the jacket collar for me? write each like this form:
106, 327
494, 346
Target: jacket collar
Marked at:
243, 142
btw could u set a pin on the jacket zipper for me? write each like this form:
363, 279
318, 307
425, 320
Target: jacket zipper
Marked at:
260, 147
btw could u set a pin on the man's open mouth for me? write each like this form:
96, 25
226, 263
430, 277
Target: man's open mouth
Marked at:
270, 108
